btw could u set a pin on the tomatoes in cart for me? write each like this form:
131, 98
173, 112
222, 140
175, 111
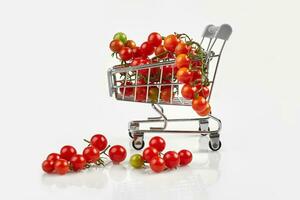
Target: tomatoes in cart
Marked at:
206, 111
136, 52
204, 92
157, 164
170, 42
147, 49
181, 48
99, 141
187, 91
161, 52
130, 43
182, 60
158, 143
153, 94
199, 104
128, 90
67, 151
184, 75
116, 46
61, 166
126, 54
197, 76
91, 154
117, 154
149, 153
78, 162
121, 36
155, 39
185, 156
166, 94
171, 159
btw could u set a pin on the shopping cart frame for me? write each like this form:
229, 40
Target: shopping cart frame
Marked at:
212, 34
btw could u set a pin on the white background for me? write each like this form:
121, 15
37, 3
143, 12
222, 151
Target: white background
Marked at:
53, 91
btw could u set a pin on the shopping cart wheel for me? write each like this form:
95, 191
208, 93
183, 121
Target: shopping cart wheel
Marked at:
215, 146
130, 134
138, 145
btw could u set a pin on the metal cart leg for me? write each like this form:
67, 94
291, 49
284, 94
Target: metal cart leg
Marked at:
203, 126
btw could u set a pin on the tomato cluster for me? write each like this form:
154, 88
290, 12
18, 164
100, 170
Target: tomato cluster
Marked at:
159, 161
69, 160
190, 68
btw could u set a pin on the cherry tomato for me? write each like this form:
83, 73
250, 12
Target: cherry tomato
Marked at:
199, 104
66, 152
155, 39
170, 42
197, 76
206, 111
167, 72
157, 164
182, 60
116, 46
53, 156
147, 49
136, 161
171, 159
61, 166
161, 52
117, 154
181, 48
121, 36
141, 92
158, 143
187, 92
184, 75
91, 154
136, 52
149, 153
185, 157
78, 162
126, 54
153, 94
166, 94
139, 62
128, 91
204, 92
48, 166
130, 43
99, 141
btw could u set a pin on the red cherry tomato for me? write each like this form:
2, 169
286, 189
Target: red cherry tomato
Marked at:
48, 166
128, 91
204, 92
206, 111
150, 153
157, 164
181, 48
155, 39
136, 52
99, 141
130, 43
199, 104
161, 52
117, 154
126, 54
166, 94
147, 49
91, 154
182, 60
187, 92
158, 143
184, 75
171, 159
197, 76
61, 166
116, 45
170, 42
53, 156
185, 157
78, 162
141, 93
66, 152
167, 72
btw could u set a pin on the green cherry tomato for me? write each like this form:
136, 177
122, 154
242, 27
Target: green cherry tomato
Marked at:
153, 94
120, 36
136, 161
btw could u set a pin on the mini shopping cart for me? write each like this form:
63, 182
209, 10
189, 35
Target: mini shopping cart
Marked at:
214, 38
